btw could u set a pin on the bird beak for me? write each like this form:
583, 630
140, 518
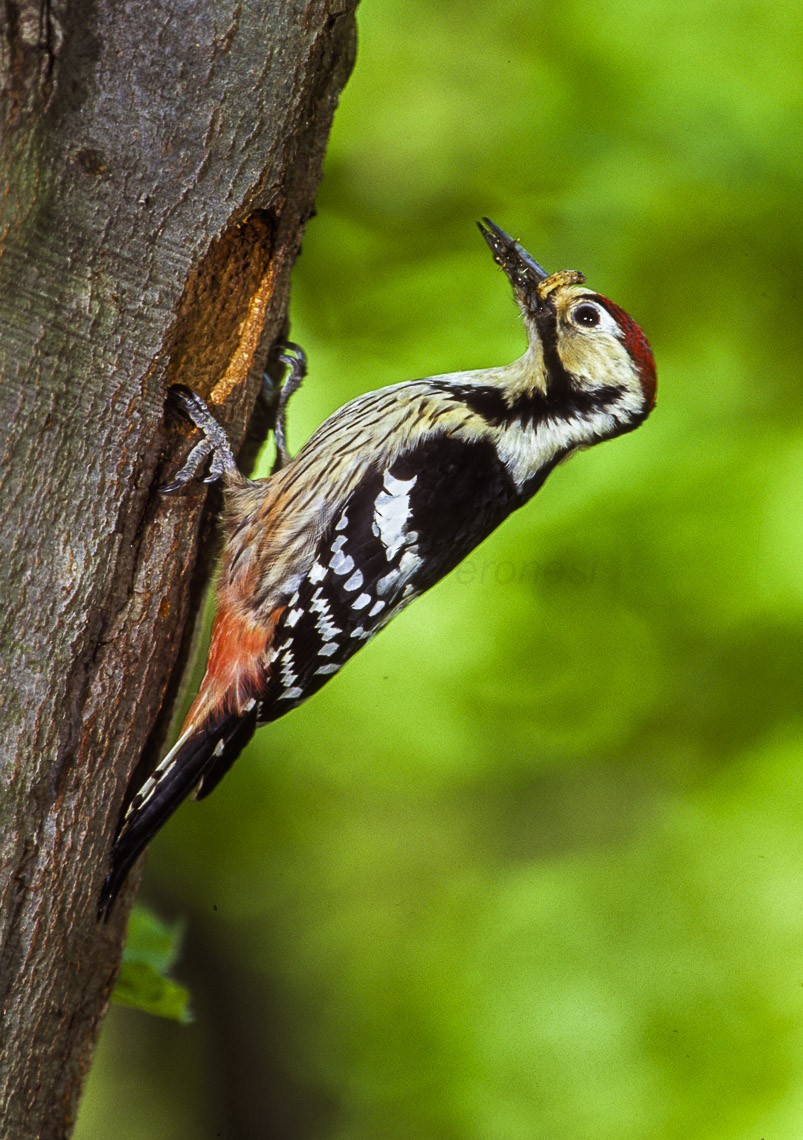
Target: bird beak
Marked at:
532, 285
523, 271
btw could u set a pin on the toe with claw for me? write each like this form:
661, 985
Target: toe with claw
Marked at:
294, 357
213, 449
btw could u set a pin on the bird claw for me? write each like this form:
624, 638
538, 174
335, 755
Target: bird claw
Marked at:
214, 443
295, 358
214, 448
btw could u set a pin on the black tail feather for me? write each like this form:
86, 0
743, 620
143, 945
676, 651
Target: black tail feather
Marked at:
234, 741
196, 754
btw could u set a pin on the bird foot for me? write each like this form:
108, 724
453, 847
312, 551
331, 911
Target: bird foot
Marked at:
295, 358
214, 448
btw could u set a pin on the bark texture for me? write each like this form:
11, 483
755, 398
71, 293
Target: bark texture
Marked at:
157, 165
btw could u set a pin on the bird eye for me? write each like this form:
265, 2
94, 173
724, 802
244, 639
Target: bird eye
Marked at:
586, 315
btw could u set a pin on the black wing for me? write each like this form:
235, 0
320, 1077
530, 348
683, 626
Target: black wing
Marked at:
400, 531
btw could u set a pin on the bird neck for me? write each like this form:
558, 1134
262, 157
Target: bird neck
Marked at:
535, 418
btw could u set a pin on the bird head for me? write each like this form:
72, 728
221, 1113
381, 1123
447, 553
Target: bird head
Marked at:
585, 352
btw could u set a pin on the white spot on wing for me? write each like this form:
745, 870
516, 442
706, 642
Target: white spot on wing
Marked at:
354, 582
317, 572
325, 625
391, 513
342, 563
399, 486
400, 575
408, 564
385, 584
361, 602
287, 671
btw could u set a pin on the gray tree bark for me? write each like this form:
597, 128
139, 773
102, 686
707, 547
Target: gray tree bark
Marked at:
157, 165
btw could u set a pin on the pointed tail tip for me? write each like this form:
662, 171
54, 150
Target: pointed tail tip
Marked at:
125, 851
112, 885
105, 904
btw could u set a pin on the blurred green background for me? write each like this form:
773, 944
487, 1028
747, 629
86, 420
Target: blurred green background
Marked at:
530, 866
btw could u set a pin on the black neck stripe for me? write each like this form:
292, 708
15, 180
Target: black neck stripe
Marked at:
561, 403
563, 400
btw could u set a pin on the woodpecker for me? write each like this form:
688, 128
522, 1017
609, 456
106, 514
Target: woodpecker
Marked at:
384, 499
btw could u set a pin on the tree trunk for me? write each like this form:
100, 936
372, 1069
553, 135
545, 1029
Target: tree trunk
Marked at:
157, 165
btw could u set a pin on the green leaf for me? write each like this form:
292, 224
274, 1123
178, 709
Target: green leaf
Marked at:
151, 950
